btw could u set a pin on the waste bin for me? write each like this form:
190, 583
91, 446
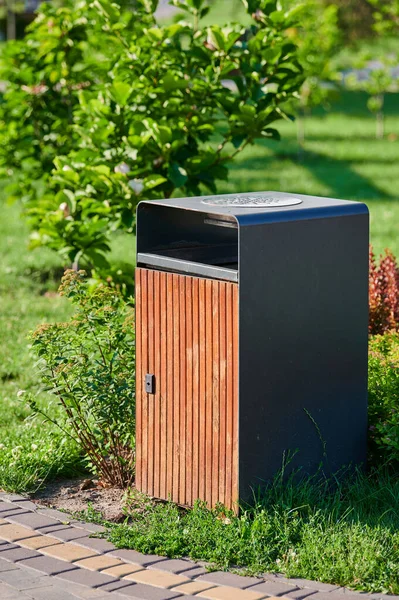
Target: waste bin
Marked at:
251, 335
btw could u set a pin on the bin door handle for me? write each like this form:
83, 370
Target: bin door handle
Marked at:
150, 383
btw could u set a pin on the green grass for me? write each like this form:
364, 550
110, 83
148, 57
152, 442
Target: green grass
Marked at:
345, 534
29, 451
342, 160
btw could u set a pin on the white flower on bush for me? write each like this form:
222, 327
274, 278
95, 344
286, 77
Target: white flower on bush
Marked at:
66, 168
21, 393
2, 446
34, 446
122, 168
137, 185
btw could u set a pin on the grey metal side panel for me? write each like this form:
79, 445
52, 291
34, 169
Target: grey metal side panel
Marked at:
303, 310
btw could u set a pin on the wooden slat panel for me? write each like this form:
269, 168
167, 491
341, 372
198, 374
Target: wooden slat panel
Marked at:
208, 391
150, 397
168, 443
202, 390
187, 433
176, 387
196, 389
139, 370
189, 390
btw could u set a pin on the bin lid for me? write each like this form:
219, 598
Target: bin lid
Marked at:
251, 208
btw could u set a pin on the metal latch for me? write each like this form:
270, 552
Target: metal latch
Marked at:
150, 383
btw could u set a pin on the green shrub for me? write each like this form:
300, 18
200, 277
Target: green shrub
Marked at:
384, 398
141, 110
88, 363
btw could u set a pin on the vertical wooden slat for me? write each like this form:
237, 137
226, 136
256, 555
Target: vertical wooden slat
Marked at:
150, 397
222, 393
187, 433
202, 391
209, 390
215, 391
229, 395
189, 390
170, 390
163, 388
183, 397
196, 389
158, 383
176, 388
139, 393
144, 363
234, 367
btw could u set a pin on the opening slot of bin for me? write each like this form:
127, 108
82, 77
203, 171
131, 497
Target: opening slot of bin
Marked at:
186, 236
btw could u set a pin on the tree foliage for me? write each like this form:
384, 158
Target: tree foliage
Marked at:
105, 106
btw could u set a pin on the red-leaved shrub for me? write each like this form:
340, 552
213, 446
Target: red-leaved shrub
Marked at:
383, 293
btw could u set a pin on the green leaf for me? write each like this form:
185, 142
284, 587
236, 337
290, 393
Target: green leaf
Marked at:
177, 175
153, 181
120, 91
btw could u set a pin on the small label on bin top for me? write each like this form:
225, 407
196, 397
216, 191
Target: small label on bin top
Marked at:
252, 201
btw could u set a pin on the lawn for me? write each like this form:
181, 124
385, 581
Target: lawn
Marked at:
357, 527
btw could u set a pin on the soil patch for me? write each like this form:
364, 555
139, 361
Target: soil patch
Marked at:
76, 495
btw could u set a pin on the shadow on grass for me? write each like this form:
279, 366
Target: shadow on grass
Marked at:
338, 175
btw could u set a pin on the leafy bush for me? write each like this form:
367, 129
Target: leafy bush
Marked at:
383, 293
126, 109
384, 397
88, 363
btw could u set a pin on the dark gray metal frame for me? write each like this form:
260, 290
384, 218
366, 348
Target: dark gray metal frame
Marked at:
302, 273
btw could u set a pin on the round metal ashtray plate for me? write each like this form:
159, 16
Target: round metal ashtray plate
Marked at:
260, 201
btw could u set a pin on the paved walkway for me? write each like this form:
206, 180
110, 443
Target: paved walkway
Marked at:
47, 555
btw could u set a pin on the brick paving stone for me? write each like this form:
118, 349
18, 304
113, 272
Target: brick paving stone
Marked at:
13, 533
148, 592
7, 514
54, 514
194, 572
230, 579
271, 588
95, 543
23, 580
26, 504
193, 587
9, 497
16, 554
8, 593
330, 596
39, 541
47, 564
230, 593
6, 506
157, 578
7, 546
114, 586
50, 592
3, 522
301, 583
86, 577
174, 565
137, 558
99, 562
6, 566
65, 533
69, 552
92, 527
32, 520
301, 593
121, 570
